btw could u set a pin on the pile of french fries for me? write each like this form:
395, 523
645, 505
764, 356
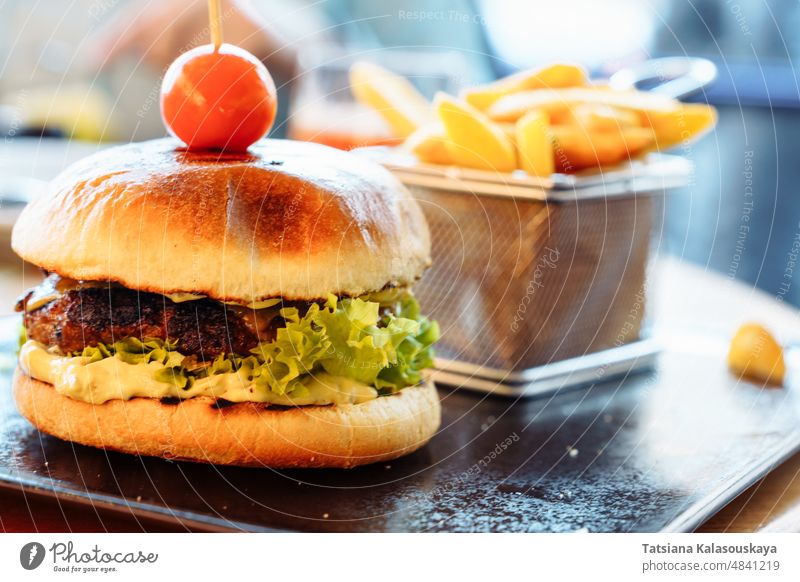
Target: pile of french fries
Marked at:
546, 120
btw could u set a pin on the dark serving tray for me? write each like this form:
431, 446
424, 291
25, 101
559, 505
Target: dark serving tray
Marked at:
656, 451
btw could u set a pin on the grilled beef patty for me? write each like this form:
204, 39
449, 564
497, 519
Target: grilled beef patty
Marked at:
86, 316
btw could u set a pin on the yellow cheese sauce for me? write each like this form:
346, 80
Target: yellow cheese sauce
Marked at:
113, 379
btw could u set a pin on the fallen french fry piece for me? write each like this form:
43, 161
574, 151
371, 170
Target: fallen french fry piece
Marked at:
576, 148
560, 101
429, 144
755, 354
534, 146
473, 140
394, 97
682, 125
554, 76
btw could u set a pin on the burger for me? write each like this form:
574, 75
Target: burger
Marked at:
248, 309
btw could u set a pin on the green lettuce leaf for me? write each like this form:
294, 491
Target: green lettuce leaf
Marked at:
294, 352
359, 349
414, 354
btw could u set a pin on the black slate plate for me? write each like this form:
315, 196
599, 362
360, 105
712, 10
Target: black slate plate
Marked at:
661, 451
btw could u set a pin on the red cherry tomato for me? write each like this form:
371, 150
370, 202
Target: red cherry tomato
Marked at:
218, 99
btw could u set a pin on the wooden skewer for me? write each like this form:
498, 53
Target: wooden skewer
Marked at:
215, 21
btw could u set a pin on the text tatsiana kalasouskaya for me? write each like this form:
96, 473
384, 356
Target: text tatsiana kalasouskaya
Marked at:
670, 548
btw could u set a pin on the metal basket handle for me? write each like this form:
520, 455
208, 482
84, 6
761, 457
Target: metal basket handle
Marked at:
677, 77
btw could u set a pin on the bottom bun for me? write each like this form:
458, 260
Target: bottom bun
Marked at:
245, 434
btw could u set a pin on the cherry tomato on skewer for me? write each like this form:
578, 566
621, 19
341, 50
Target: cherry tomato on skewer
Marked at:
221, 99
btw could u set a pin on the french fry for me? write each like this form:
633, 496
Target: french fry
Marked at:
554, 76
576, 149
510, 129
755, 354
682, 125
534, 146
429, 144
560, 101
473, 140
601, 117
509, 123
392, 96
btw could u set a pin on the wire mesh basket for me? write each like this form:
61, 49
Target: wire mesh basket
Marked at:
539, 283
517, 285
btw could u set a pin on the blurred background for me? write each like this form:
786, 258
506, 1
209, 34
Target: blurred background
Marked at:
84, 73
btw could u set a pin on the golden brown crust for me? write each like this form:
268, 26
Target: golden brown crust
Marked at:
245, 434
289, 219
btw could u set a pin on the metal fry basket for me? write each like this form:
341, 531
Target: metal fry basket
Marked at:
539, 284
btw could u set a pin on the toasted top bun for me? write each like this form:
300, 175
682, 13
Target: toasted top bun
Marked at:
287, 219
